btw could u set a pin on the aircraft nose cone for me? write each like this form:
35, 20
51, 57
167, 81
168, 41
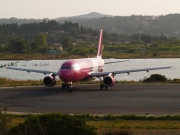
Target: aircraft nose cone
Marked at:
66, 75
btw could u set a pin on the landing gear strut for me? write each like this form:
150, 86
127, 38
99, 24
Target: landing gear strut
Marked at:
67, 86
103, 86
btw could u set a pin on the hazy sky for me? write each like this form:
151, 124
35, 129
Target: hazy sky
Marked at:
64, 8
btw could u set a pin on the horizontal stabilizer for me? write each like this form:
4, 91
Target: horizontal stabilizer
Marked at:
115, 62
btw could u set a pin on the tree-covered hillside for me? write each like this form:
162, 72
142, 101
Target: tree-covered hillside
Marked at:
38, 37
153, 25
33, 38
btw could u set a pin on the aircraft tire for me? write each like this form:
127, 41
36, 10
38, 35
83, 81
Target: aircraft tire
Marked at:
101, 86
63, 86
69, 87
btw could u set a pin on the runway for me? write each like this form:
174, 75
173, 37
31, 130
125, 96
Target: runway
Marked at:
156, 99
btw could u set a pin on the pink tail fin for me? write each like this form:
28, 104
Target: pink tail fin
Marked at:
100, 47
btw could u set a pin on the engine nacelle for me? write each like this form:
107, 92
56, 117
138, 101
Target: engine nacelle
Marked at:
49, 81
109, 80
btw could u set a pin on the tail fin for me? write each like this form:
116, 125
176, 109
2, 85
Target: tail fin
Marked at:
100, 47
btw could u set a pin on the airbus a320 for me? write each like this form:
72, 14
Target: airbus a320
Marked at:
84, 70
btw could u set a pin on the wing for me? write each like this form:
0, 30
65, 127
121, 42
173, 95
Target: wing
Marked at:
99, 74
33, 70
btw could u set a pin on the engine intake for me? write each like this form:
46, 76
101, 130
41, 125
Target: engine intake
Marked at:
109, 80
49, 81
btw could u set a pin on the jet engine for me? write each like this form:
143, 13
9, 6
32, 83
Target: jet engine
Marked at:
109, 80
49, 81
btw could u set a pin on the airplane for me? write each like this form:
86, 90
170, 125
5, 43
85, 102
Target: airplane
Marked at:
86, 69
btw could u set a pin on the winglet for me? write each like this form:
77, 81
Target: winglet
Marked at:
100, 48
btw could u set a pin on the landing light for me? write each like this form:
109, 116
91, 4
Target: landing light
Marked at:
76, 67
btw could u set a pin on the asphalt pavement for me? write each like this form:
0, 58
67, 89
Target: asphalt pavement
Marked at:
154, 99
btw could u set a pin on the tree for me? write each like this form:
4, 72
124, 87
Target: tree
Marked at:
92, 51
41, 40
17, 45
34, 46
154, 48
84, 52
40, 43
66, 42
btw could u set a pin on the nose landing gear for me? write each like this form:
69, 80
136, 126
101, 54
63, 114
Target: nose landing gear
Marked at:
67, 86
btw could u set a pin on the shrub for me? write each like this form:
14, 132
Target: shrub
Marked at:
176, 80
156, 78
5, 119
84, 52
53, 124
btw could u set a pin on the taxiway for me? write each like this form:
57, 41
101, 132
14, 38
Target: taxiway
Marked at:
155, 99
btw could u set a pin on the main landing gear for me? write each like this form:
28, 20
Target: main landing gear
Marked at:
103, 86
67, 86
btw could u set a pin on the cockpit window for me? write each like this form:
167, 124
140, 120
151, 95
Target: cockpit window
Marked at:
67, 67
72, 67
